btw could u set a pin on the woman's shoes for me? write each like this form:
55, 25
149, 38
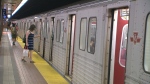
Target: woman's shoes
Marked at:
13, 43
23, 60
31, 61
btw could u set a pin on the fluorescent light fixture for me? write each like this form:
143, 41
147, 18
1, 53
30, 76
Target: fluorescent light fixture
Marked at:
35, 17
8, 16
20, 5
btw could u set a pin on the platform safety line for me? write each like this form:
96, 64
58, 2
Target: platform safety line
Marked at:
50, 75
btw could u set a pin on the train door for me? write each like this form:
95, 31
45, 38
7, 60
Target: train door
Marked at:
44, 36
70, 45
52, 38
39, 32
24, 31
118, 45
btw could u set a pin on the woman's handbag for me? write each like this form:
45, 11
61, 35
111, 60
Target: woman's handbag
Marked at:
25, 51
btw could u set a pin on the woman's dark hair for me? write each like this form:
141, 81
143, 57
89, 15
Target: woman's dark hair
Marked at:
32, 27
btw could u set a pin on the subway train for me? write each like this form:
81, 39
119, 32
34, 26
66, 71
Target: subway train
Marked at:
95, 42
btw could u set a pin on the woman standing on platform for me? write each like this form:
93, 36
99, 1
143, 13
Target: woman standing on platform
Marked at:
14, 33
30, 41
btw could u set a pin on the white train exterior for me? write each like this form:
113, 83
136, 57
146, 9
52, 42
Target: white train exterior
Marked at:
96, 42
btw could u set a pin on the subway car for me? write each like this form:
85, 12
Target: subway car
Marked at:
95, 42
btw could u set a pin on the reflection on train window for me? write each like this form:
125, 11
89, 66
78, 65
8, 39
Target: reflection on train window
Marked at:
62, 31
82, 40
147, 46
92, 35
58, 30
122, 55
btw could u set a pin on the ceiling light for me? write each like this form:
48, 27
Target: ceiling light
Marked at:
8, 16
35, 17
20, 5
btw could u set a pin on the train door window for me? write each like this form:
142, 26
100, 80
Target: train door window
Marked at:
36, 30
27, 26
147, 46
45, 28
48, 27
58, 27
20, 25
62, 31
92, 34
83, 25
43, 25
40, 28
123, 43
24, 27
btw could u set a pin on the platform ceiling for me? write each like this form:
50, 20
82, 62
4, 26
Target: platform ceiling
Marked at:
33, 7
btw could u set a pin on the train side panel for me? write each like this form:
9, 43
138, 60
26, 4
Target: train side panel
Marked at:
135, 71
59, 43
88, 64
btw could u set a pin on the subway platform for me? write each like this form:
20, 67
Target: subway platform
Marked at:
15, 71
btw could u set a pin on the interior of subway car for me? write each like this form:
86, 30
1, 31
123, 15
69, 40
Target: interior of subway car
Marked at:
119, 45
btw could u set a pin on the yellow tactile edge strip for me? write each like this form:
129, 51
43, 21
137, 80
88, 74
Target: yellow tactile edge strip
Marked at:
50, 75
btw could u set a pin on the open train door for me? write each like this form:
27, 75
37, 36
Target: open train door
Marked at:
51, 38
39, 32
70, 45
119, 33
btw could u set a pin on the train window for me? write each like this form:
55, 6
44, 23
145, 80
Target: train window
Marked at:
24, 27
43, 25
48, 27
124, 13
36, 30
92, 34
28, 24
62, 31
45, 29
122, 55
58, 30
147, 46
82, 40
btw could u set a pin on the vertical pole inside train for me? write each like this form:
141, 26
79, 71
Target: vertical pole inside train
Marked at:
118, 46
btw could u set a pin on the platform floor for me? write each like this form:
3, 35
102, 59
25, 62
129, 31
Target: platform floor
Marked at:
14, 71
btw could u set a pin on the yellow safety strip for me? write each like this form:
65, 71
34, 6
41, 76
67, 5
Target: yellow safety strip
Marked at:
50, 75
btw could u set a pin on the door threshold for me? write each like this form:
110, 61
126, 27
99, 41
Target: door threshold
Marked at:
68, 77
